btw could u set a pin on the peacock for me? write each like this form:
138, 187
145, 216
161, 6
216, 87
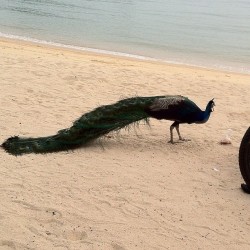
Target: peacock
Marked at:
107, 118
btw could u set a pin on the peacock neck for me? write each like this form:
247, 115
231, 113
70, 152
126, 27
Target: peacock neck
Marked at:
206, 113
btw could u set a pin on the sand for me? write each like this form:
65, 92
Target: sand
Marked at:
127, 191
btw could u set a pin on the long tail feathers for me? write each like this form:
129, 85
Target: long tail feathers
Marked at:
90, 126
18, 145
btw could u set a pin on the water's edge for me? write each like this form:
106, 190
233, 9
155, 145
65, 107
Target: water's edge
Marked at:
120, 54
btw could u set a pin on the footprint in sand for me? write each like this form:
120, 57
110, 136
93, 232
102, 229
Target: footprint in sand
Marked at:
75, 235
117, 247
10, 245
40, 213
7, 244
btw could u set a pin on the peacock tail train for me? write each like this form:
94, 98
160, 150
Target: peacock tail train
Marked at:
88, 127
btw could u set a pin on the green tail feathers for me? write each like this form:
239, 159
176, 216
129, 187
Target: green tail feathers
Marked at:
90, 126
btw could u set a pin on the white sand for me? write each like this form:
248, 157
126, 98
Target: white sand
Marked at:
132, 191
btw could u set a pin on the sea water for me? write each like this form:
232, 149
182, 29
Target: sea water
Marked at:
206, 33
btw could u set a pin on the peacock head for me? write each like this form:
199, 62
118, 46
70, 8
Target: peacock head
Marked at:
211, 105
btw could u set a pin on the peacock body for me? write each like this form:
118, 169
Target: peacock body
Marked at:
105, 119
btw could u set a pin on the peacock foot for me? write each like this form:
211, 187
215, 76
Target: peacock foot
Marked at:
184, 139
180, 140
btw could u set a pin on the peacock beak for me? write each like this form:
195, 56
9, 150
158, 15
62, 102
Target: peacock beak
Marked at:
213, 105
213, 108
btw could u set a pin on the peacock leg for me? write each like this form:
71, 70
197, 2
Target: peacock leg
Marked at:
178, 132
171, 133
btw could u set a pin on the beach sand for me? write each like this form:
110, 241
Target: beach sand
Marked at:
127, 191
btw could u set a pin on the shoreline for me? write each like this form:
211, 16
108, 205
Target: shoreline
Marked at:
86, 50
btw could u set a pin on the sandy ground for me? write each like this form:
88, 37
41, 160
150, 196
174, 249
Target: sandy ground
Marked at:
128, 191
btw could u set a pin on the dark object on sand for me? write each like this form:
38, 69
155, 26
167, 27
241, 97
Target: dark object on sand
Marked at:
244, 161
